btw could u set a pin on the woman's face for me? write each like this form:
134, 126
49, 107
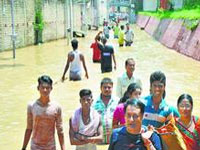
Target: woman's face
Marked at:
136, 94
185, 108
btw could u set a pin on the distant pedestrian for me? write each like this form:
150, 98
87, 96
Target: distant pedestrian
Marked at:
128, 35
106, 30
121, 36
43, 116
107, 54
74, 60
104, 22
116, 30
96, 51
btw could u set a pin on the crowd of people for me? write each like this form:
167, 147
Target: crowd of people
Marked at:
125, 121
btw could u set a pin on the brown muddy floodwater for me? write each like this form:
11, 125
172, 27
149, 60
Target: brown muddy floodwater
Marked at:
18, 84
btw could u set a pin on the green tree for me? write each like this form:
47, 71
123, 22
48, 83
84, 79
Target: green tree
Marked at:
39, 23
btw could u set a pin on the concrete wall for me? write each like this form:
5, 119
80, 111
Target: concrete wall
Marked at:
54, 16
24, 11
152, 25
24, 18
102, 11
178, 4
77, 17
142, 21
160, 30
173, 34
54, 19
194, 44
150, 5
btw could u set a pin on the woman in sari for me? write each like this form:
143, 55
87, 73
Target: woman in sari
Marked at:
188, 125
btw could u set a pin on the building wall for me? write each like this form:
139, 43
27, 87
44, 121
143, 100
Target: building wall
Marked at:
150, 5
24, 17
77, 19
55, 17
24, 11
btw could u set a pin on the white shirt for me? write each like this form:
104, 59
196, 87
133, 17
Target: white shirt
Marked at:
123, 82
129, 35
76, 63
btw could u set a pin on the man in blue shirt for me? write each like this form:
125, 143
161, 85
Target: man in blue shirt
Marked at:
157, 112
132, 136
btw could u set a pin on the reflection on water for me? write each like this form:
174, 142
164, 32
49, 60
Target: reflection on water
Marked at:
18, 84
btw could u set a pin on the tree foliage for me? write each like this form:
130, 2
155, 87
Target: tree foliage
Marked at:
191, 4
39, 23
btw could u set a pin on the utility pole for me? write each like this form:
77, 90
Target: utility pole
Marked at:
13, 36
71, 17
84, 16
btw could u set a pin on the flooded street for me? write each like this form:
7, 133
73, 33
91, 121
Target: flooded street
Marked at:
18, 84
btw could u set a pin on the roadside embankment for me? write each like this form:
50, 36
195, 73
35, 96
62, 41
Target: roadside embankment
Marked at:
173, 33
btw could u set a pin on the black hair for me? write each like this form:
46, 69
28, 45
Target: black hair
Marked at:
122, 27
158, 76
127, 61
103, 40
85, 92
74, 43
98, 38
106, 80
45, 79
131, 88
135, 102
185, 96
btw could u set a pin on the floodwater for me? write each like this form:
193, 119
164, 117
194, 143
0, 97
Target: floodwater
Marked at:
18, 84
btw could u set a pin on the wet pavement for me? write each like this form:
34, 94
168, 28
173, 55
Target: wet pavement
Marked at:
18, 84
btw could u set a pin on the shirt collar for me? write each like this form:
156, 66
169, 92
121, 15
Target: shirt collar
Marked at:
42, 105
126, 76
110, 101
162, 103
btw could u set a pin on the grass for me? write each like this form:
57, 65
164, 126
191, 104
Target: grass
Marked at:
190, 14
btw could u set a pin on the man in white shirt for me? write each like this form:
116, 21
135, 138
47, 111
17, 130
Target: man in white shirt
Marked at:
85, 125
128, 35
127, 78
74, 60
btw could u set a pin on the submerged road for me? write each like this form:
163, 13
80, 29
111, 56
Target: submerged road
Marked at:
18, 84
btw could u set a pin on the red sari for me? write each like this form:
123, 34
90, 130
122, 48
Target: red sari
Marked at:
191, 138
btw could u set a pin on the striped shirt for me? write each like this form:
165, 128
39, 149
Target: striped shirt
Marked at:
159, 117
106, 113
